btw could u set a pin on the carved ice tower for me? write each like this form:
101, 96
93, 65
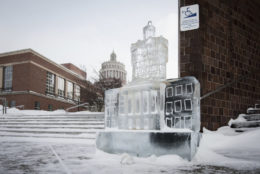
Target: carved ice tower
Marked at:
149, 56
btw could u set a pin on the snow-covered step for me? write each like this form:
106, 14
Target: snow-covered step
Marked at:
50, 126
51, 117
252, 117
27, 134
51, 130
53, 121
53, 126
50, 123
75, 120
57, 115
245, 124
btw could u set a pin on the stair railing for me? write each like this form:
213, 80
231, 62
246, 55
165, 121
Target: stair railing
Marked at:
225, 85
79, 105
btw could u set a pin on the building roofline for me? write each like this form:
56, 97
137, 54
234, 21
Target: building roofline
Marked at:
29, 50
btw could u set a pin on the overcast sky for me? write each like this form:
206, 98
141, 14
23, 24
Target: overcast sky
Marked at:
85, 32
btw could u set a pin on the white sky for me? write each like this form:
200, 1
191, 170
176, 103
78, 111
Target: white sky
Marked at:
84, 32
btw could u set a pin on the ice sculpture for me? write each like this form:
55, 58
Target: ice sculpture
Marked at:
152, 115
149, 56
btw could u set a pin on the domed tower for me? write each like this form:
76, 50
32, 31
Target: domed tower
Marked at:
113, 56
113, 69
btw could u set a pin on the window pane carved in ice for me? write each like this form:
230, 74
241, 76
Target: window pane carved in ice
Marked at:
146, 123
145, 102
154, 101
121, 104
178, 90
169, 108
137, 123
188, 104
177, 106
177, 122
188, 122
130, 106
130, 123
169, 92
169, 122
189, 88
137, 102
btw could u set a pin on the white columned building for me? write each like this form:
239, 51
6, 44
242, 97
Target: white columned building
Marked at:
113, 69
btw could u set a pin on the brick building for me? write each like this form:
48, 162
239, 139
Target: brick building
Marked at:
30, 79
223, 50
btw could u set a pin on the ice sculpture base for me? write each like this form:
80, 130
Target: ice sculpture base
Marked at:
147, 143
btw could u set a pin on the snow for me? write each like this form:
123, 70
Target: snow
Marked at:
14, 111
240, 118
221, 151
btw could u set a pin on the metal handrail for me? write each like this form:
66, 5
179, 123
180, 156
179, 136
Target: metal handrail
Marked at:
4, 104
20, 106
76, 106
225, 85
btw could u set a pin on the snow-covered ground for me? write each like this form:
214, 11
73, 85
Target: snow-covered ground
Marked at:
221, 151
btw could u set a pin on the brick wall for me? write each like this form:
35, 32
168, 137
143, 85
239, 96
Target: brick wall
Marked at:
29, 74
224, 48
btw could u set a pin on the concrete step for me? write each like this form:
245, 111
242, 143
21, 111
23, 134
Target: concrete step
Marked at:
247, 124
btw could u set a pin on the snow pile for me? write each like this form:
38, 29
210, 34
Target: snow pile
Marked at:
240, 118
225, 147
127, 159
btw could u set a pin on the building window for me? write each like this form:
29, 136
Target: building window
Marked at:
188, 104
178, 90
169, 92
12, 104
189, 89
69, 90
177, 106
37, 105
8, 78
50, 108
61, 86
50, 83
77, 93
